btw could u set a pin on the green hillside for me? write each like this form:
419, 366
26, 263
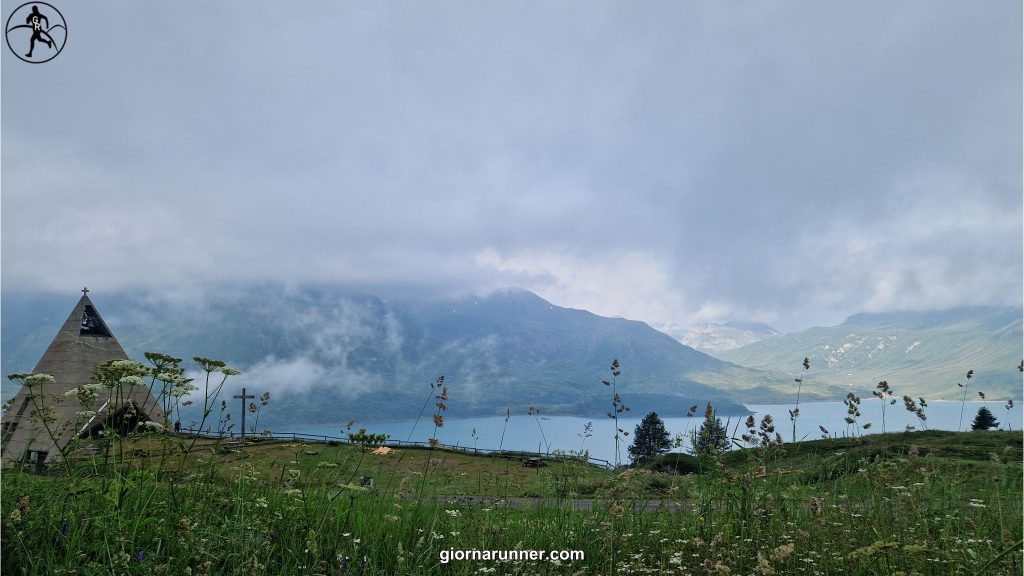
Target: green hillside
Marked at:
918, 353
320, 349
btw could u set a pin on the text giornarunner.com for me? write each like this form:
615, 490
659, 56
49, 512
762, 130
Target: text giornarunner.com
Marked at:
446, 556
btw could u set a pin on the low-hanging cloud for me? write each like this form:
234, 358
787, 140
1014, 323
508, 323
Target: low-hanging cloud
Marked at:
301, 375
639, 163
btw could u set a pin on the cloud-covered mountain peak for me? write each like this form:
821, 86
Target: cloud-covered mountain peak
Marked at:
712, 338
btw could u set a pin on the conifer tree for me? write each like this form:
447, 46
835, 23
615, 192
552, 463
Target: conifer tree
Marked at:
984, 420
650, 438
712, 437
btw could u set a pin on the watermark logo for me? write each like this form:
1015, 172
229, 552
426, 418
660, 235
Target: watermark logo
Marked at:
36, 32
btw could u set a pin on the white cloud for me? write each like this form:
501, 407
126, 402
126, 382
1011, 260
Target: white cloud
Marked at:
299, 374
631, 285
829, 163
287, 376
933, 245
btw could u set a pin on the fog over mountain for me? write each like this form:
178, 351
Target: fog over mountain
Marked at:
670, 162
326, 354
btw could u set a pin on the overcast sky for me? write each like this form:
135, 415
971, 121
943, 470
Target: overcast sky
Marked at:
791, 162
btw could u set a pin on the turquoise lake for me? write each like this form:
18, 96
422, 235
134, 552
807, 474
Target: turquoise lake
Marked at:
549, 433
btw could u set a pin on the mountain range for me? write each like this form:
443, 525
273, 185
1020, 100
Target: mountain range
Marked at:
918, 353
330, 356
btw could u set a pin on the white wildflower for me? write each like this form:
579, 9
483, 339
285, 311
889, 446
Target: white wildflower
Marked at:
131, 381
38, 380
182, 388
130, 367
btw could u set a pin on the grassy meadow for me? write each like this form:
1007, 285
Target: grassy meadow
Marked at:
154, 502
904, 503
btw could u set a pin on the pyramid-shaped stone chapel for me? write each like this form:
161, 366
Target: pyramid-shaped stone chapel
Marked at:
83, 342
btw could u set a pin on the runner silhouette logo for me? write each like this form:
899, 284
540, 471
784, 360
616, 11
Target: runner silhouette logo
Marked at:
36, 32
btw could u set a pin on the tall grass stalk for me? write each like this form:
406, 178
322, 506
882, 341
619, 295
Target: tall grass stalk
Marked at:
433, 386
535, 412
501, 442
795, 412
43, 414
884, 393
618, 407
852, 403
963, 403
587, 433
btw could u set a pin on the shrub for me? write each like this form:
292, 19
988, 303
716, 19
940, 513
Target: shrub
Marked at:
659, 484
678, 463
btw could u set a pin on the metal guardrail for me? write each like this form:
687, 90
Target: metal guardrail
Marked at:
391, 443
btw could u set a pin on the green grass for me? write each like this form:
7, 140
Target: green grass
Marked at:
926, 502
434, 471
